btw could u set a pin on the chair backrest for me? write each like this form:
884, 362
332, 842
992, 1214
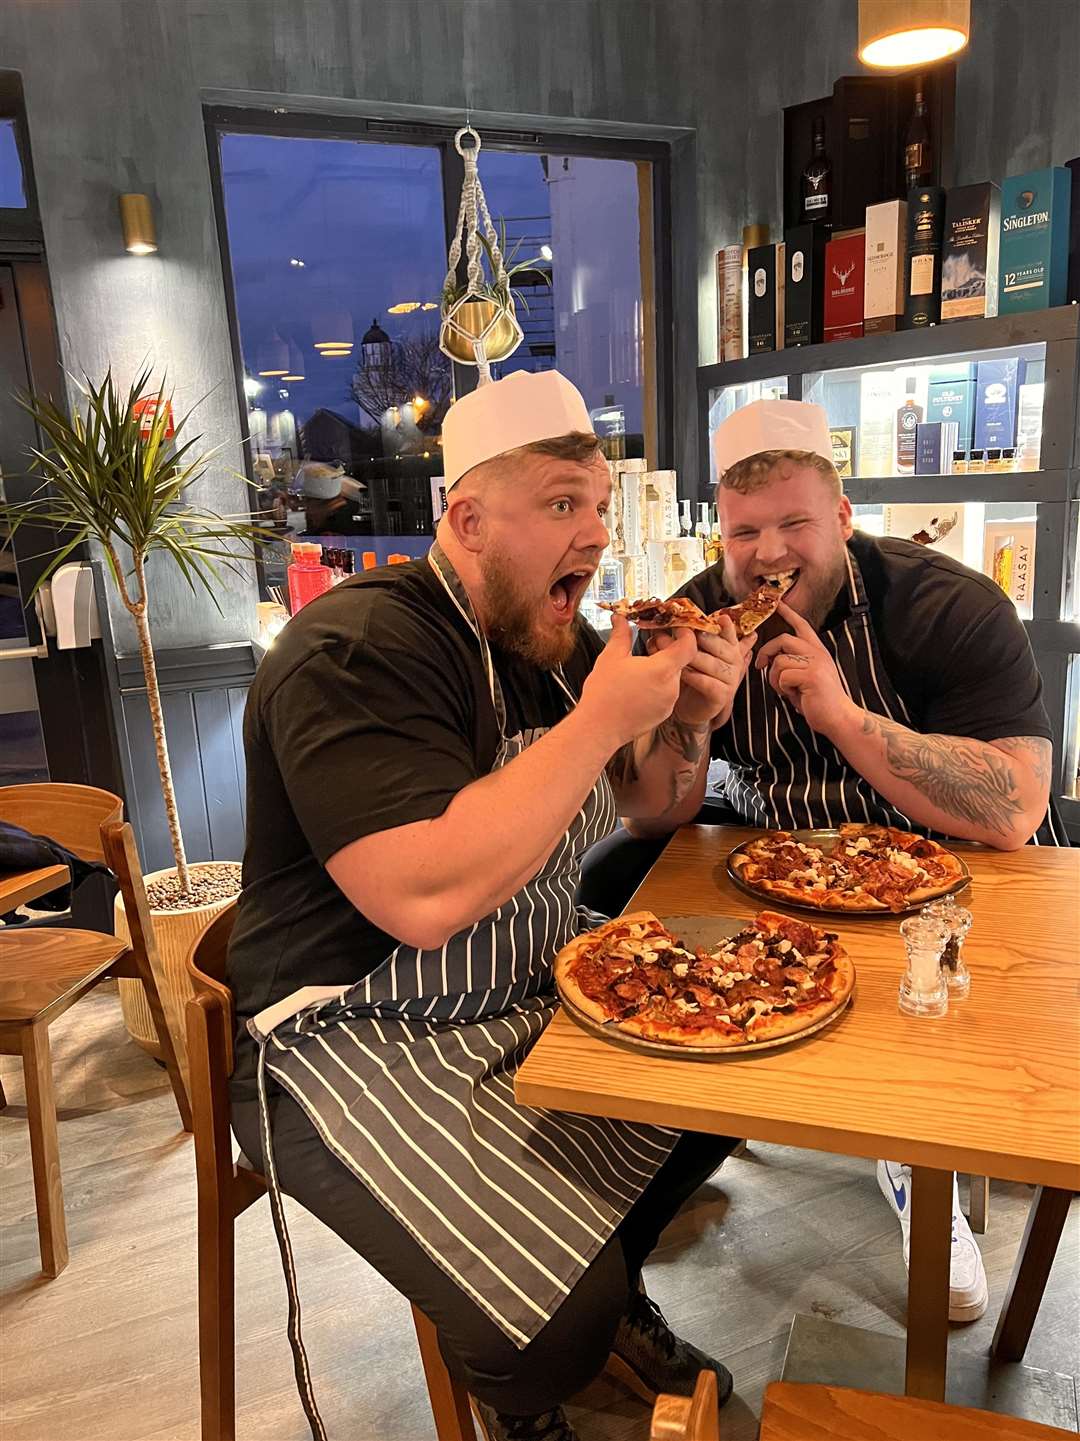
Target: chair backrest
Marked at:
797, 1412
206, 967
72, 815
688, 1418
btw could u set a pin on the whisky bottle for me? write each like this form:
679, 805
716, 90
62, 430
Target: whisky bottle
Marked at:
907, 421
918, 153
817, 178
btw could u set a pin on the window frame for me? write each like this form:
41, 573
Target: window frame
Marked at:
219, 119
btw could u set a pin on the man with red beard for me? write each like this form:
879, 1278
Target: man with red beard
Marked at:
430, 750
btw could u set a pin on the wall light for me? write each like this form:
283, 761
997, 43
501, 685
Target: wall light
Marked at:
897, 34
137, 222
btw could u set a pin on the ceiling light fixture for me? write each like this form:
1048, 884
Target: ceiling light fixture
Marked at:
137, 223
897, 34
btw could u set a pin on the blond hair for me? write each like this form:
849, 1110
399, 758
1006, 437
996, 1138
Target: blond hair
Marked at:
756, 471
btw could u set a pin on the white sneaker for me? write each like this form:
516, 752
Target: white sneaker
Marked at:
968, 1291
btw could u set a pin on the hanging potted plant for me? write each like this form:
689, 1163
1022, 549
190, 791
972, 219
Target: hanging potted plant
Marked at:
119, 475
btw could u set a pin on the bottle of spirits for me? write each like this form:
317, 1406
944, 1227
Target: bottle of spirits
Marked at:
907, 421
918, 153
686, 523
817, 178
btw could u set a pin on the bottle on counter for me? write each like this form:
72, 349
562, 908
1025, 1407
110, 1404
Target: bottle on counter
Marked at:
307, 576
817, 178
908, 418
918, 151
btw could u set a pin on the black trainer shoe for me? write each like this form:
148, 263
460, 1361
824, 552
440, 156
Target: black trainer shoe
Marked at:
547, 1426
649, 1358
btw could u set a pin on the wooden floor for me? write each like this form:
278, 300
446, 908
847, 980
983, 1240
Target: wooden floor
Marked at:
107, 1351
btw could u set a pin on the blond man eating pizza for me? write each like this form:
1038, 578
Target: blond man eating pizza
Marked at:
893, 687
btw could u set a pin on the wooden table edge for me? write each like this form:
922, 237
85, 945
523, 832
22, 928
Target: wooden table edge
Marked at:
822, 1137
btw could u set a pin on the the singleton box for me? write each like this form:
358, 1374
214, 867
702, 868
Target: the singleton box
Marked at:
969, 252
883, 296
950, 395
922, 268
997, 395
935, 441
843, 449
1034, 252
765, 274
845, 257
804, 285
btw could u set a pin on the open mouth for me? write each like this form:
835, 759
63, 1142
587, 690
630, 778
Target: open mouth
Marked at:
565, 594
780, 580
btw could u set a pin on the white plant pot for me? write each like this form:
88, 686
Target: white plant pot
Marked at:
175, 931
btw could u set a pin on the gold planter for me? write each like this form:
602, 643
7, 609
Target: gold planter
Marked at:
471, 320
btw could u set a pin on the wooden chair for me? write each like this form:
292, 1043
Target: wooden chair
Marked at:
42, 974
688, 1418
226, 1189
72, 815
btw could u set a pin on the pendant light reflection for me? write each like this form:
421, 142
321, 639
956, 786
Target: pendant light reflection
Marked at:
899, 34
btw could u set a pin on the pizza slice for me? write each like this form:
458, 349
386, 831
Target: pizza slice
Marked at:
656, 614
756, 608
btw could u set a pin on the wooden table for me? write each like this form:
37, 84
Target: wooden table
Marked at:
991, 1088
18, 887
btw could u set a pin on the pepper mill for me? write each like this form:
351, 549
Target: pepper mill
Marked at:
923, 990
957, 921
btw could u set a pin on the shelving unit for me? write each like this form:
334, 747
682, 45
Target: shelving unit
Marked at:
1054, 629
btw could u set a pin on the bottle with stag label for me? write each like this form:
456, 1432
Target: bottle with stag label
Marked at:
817, 178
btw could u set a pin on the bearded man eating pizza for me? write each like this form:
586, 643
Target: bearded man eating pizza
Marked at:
893, 687
428, 751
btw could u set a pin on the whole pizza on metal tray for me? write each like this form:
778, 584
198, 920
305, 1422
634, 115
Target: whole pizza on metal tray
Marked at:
775, 978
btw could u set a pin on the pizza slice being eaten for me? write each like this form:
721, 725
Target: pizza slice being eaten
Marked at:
774, 978
656, 614
756, 608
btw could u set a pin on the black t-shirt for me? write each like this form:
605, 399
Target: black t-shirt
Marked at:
370, 711
952, 643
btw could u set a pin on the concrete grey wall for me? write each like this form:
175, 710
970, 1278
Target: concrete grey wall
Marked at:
114, 91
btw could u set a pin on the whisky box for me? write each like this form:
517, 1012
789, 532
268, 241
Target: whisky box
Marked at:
969, 251
732, 327
950, 396
658, 499
845, 256
765, 273
804, 285
922, 266
877, 423
935, 441
843, 449
1034, 252
1009, 560
719, 305
623, 518
997, 398
1073, 284
886, 236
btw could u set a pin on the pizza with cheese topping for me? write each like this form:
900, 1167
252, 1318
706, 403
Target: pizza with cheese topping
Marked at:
775, 978
867, 868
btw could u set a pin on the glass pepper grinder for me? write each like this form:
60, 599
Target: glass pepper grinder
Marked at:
957, 920
923, 990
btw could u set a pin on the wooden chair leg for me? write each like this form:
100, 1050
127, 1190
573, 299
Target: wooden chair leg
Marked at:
449, 1399
217, 1320
1045, 1222
978, 1202
3, 1097
44, 1148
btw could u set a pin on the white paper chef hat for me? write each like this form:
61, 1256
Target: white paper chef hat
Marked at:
772, 425
504, 414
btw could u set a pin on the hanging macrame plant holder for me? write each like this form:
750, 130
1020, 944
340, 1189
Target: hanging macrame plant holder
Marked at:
478, 324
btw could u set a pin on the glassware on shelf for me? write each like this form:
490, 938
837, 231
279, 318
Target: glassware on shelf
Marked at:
924, 990
957, 921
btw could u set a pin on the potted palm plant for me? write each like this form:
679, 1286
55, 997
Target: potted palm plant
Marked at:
117, 473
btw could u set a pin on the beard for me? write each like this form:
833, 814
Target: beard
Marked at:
816, 590
512, 617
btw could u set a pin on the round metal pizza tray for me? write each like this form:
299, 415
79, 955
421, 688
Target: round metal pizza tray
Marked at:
825, 838
695, 931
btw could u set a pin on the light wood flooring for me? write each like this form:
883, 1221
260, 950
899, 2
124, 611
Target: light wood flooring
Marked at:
107, 1351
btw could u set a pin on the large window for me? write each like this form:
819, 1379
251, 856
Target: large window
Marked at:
336, 249
12, 189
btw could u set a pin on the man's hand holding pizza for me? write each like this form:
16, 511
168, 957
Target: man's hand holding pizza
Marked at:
712, 677
800, 669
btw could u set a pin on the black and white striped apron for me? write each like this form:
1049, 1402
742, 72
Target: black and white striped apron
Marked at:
784, 775
408, 1078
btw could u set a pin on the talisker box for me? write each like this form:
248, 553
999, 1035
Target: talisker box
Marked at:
1034, 252
765, 277
845, 258
886, 236
804, 285
922, 270
969, 252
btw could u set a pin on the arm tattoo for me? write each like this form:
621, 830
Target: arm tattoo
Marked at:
1034, 751
689, 743
968, 779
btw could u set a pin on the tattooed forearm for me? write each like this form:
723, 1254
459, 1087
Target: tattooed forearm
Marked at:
967, 779
622, 768
1033, 751
689, 742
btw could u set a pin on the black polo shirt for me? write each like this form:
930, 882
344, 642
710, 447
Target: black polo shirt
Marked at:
370, 711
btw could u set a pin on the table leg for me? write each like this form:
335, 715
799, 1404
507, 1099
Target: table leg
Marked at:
1045, 1222
928, 1283
44, 1148
979, 1205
